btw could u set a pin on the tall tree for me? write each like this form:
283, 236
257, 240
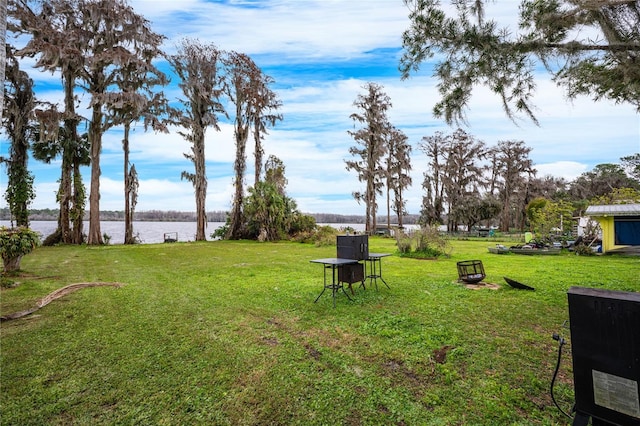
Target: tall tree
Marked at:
589, 47
198, 67
136, 100
398, 166
463, 173
49, 25
515, 169
56, 140
265, 115
254, 102
115, 37
91, 41
371, 138
19, 122
435, 148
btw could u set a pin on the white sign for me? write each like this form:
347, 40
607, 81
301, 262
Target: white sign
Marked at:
616, 393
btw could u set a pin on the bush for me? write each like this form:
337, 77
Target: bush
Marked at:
583, 250
320, 236
15, 243
403, 242
424, 243
302, 223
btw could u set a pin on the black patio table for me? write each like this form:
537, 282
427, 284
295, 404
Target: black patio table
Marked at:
333, 263
375, 268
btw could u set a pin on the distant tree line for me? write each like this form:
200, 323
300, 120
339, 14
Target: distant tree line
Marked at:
180, 216
467, 183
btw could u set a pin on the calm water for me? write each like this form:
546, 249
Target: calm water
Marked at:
148, 232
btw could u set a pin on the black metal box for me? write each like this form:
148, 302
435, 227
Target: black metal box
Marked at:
353, 273
605, 347
353, 247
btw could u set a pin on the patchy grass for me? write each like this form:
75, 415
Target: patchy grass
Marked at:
227, 332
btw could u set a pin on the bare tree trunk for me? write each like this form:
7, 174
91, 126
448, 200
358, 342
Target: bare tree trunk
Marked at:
11, 264
372, 206
128, 226
64, 197
367, 200
370, 195
200, 187
240, 166
259, 151
77, 212
506, 213
388, 207
400, 207
69, 146
95, 137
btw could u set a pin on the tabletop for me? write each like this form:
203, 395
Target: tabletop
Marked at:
336, 261
378, 255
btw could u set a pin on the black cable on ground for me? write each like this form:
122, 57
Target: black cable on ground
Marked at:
561, 343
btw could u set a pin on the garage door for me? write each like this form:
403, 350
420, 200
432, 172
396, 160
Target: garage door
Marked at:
627, 231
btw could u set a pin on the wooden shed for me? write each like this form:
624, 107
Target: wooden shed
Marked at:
620, 225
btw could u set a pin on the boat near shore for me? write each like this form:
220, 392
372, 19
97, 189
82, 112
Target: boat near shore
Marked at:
524, 249
498, 249
534, 251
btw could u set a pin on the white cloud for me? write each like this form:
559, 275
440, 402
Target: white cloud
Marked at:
302, 29
568, 170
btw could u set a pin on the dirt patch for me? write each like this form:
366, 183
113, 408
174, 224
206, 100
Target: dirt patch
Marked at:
481, 285
440, 355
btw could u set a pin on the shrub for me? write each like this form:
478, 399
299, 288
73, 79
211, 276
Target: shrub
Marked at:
320, 236
302, 223
403, 242
426, 242
15, 243
583, 250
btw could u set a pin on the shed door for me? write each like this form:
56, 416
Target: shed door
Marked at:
627, 231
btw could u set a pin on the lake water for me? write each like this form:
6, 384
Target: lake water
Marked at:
149, 232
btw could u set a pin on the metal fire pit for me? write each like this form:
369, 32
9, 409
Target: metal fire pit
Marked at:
471, 271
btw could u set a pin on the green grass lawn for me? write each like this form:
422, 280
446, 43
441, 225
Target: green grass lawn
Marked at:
228, 333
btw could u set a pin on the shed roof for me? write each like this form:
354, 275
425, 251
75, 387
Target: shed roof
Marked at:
614, 210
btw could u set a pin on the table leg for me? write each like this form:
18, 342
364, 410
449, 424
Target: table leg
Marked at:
375, 264
335, 286
380, 269
324, 282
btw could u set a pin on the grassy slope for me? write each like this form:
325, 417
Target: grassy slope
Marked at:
227, 333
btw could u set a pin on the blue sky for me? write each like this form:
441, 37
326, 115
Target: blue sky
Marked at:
321, 53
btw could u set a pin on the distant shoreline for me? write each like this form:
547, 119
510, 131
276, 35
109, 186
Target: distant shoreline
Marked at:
214, 216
